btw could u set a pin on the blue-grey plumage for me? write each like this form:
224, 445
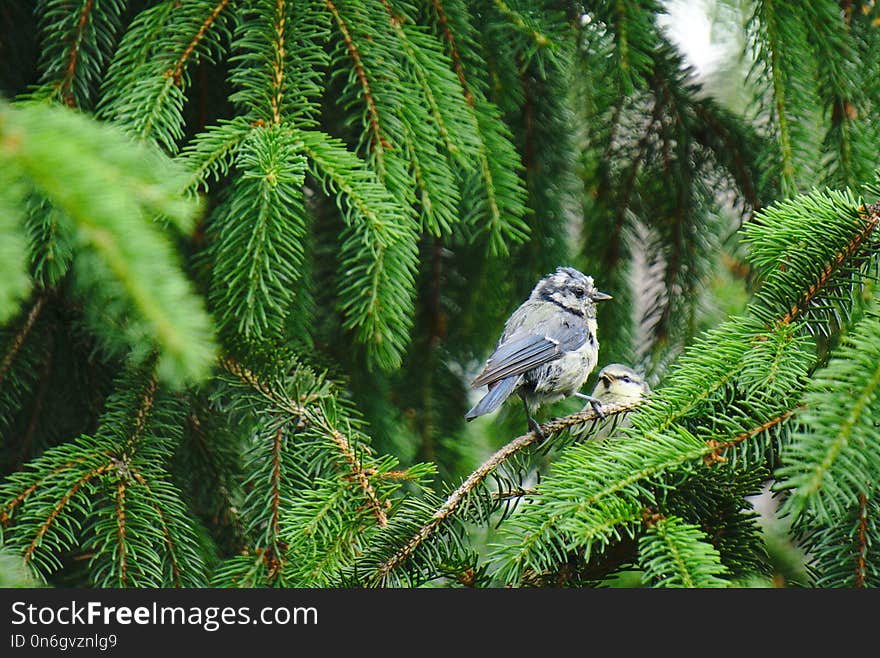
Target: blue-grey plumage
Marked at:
548, 347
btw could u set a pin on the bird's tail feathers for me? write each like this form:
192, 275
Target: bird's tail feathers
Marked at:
497, 394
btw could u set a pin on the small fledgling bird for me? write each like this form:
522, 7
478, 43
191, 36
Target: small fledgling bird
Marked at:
548, 347
617, 384
620, 384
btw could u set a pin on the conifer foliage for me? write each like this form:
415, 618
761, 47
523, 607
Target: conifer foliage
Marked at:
252, 251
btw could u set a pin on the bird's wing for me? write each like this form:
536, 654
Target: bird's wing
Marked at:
524, 351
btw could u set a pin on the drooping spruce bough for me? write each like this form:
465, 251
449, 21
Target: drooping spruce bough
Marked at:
251, 250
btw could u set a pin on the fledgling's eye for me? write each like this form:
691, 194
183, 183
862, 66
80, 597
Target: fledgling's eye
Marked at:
579, 292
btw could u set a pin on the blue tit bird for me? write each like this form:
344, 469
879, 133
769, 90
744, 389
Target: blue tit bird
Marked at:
620, 384
615, 384
548, 347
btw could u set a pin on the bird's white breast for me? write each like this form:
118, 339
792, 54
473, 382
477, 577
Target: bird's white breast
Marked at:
567, 374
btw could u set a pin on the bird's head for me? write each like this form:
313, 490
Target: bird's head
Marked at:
620, 384
571, 289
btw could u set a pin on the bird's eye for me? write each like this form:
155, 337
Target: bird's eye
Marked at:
579, 292
627, 379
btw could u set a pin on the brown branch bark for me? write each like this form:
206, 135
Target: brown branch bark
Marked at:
64, 88
141, 417
862, 546
177, 71
277, 445
60, 505
871, 222
457, 65
361, 478
378, 138
20, 498
278, 64
715, 454
21, 336
120, 530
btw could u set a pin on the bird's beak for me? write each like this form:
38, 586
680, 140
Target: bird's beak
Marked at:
600, 296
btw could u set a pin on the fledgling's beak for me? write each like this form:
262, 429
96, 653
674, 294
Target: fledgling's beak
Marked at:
600, 296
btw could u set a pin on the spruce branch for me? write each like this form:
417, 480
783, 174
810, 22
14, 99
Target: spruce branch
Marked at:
9, 508
360, 476
457, 497
77, 39
176, 71
596, 491
717, 448
378, 252
277, 94
862, 541
541, 40
15, 284
60, 505
275, 505
493, 197
93, 490
677, 554
871, 215
779, 93
210, 154
784, 41
835, 455
455, 123
22, 334
732, 145
809, 279
711, 450
309, 415
169, 541
256, 236
120, 532
65, 85
145, 87
136, 298
454, 54
142, 414
378, 141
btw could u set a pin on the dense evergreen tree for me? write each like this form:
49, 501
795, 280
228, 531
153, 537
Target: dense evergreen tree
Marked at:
253, 251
